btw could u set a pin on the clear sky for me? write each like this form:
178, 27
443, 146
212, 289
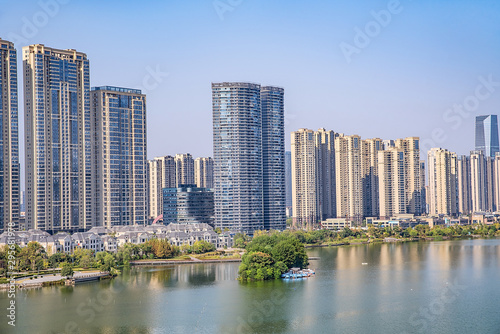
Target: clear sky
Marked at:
340, 68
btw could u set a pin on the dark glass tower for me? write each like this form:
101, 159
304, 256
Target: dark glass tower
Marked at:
249, 156
487, 135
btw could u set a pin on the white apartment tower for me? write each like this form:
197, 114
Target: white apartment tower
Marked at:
443, 182
349, 180
391, 177
306, 209
411, 150
184, 169
161, 171
204, 172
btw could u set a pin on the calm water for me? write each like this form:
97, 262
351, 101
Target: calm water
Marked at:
432, 287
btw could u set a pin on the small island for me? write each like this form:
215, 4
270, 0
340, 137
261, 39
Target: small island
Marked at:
270, 254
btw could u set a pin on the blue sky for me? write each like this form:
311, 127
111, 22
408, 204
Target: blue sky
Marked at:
428, 57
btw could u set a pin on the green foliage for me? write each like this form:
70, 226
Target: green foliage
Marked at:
271, 254
67, 269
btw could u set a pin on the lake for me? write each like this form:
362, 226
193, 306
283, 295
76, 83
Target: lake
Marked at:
416, 287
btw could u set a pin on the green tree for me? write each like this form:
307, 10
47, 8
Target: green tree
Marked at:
67, 269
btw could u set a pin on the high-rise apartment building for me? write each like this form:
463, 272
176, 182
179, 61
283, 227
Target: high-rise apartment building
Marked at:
204, 172
489, 172
477, 181
443, 181
161, 174
120, 174
247, 118
288, 179
305, 200
273, 157
423, 196
411, 150
369, 152
464, 184
184, 169
349, 178
58, 139
486, 135
496, 180
325, 173
391, 179
9, 140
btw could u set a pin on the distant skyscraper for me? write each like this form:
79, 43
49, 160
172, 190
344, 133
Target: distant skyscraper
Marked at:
369, 151
325, 173
305, 197
119, 115
423, 196
248, 134
478, 181
464, 185
496, 179
391, 182
411, 150
487, 135
349, 180
288, 178
59, 188
9, 139
204, 172
184, 169
443, 180
161, 174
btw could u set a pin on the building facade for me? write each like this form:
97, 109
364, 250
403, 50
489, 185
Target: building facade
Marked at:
443, 182
288, 179
119, 115
9, 140
237, 140
57, 139
391, 177
325, 173
273, 157
305, 202
184, 169
464, 184
349, 179
161, 174
413, 188
369, 151
204, 172
188, 205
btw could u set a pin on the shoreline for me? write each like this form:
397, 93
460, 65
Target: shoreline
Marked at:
167, 262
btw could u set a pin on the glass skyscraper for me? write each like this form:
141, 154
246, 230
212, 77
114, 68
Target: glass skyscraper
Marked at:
9, 139
119, 115
487, 135
249, 156
58, 139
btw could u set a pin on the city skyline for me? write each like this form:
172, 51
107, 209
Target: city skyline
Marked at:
439, 76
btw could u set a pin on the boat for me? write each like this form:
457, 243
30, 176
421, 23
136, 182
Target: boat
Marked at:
297, 273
